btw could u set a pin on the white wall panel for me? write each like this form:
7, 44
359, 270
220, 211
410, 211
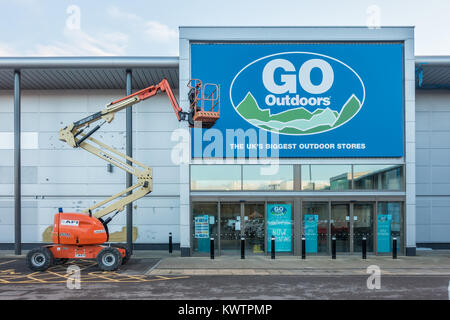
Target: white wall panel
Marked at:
55, 175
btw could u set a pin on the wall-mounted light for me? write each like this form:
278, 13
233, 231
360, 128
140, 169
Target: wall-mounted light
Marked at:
110, 168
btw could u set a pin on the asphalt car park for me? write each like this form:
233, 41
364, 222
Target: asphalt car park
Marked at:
15, 271
135, 280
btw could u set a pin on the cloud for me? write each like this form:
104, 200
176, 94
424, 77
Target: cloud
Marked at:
160, 32
153, 30
127, 33
79, 43
7, 50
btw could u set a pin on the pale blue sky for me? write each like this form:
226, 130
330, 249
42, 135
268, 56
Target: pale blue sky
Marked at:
150, 28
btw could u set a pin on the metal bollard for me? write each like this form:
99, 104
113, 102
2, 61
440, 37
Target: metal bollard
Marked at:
394, 248
364, 248
273, 247
170, 242
333, 248
303, 248
242, 248
211, 248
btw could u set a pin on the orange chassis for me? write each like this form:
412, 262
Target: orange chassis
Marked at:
79, 252
78, 236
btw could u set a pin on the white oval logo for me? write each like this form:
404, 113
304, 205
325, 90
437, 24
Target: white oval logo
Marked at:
297, 93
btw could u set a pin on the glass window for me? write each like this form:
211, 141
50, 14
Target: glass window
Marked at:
315, 226
378, 177
254, 227
326, 177
215, 177
256, 177
389, 225
280, 225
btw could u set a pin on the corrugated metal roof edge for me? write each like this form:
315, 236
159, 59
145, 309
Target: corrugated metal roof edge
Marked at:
433, 60
132, 62
123, 62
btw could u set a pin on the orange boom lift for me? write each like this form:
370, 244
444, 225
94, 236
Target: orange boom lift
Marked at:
83, 235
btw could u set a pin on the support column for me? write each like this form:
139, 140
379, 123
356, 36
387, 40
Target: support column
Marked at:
129, 152
17, 168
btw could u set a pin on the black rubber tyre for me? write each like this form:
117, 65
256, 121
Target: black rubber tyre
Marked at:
109, 259
39, 259
60, 261
127, 249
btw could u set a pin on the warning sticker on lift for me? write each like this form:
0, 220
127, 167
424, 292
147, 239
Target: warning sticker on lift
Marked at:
73, 223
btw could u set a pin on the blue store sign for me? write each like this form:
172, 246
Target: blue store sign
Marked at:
279, 224
303, 100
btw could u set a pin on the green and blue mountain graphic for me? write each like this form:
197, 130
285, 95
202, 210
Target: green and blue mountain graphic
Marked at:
297, 121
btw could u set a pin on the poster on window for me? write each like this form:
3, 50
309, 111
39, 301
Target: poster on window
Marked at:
311, 221
201, 227
279, 224
384, 233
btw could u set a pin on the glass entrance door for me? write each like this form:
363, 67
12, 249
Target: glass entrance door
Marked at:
254, 227
363, 226
340, 226
315, 226
230, 228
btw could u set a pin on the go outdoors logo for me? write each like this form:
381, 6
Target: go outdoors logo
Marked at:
297, 93
278, 210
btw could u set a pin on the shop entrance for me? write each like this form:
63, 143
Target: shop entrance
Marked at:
379, 221
348, 222
242, 220
227, 222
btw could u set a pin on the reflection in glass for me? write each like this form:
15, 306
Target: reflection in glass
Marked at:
326, 177
321, 210
254, 226
201, 212
215, 177
256, 177
340, 226
362, 226
230, 228
378, 177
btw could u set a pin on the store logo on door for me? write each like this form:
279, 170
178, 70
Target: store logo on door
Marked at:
297, 93
278, 210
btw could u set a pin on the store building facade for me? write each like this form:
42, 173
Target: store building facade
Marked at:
324, 132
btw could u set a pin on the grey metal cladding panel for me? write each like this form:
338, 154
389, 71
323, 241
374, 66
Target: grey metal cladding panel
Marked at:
423, 233
422, 139
423, 214
440, 174
29, 175
423, 174
440, 120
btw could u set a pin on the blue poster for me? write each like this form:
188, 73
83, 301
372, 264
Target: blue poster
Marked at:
201, 230
302, 100
384, 233
279, 224
311, 221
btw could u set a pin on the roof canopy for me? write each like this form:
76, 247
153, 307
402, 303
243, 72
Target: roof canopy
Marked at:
433, 72
44, 73
87, 72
